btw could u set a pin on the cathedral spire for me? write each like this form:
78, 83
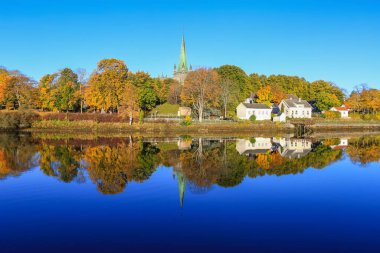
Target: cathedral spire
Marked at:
182, 66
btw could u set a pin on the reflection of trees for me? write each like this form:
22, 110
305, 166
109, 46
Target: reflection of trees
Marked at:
201, 166
364, 150
62, 162
16, 154
111, 164
110, 168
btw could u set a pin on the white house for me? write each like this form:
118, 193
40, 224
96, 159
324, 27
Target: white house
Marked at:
342, 109
294, 107
261, 111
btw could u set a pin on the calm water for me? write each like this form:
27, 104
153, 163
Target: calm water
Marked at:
189, 194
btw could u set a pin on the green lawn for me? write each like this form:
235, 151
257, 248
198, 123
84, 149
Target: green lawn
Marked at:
166, 109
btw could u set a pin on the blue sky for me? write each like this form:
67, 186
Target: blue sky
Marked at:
338, 40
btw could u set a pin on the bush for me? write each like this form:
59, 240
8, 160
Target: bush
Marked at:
17, 119
97, 117
332, 115
187, 121
252, 118
252, 140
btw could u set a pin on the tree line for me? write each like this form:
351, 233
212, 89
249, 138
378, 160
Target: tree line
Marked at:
112, 87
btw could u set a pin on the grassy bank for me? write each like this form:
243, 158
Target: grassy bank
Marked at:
168, 127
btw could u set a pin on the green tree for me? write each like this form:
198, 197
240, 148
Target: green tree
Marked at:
67, 96
241, 85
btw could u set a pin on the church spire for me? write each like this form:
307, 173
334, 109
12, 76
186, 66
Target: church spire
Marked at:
182, 66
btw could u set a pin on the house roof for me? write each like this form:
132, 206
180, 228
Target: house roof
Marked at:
341, 108
256, 106
294, 102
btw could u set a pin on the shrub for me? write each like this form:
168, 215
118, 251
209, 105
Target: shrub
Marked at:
332, 115
17, 120
187, 121
252, 140
97, 117
252, 118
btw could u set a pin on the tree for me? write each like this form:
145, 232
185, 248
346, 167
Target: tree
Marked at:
107, 84
264, 95
257, 81
147, 98
131, 102
322, 86
201, 89
225, 93
161, 89
82, 79
175, 89
67, 90
16, 89
47, 92
241, 86
327, 100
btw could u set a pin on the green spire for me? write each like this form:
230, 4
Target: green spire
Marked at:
181, 187
182, 66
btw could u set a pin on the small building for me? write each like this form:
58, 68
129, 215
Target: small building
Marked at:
280, 118
343, 110
184, 111
261, 111
295, 107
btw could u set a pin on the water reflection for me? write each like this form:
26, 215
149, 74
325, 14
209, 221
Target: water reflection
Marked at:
198, 164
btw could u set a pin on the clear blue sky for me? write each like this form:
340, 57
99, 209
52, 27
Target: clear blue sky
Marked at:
334, 40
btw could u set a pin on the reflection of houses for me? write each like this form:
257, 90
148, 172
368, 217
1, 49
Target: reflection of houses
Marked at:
184, 144
342, 144
295, 148
254, 146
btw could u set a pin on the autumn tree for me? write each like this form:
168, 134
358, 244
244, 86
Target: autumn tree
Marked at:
107, 84
131, 102
201, 90
264, 95
47, 92
17, 90
175, 89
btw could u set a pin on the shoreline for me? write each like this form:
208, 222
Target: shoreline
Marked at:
238, 128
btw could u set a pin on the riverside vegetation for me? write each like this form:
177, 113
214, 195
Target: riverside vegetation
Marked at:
113, 97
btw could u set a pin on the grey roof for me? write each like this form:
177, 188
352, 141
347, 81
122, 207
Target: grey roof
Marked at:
294, 102
256, 151
256, 106
295, 154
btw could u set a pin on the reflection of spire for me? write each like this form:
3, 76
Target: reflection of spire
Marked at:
181, 187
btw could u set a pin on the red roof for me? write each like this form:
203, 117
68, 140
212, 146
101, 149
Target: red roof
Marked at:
341, 108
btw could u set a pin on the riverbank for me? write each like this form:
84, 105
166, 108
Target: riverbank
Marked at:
234, 128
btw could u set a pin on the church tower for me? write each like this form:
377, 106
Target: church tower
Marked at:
182, 70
